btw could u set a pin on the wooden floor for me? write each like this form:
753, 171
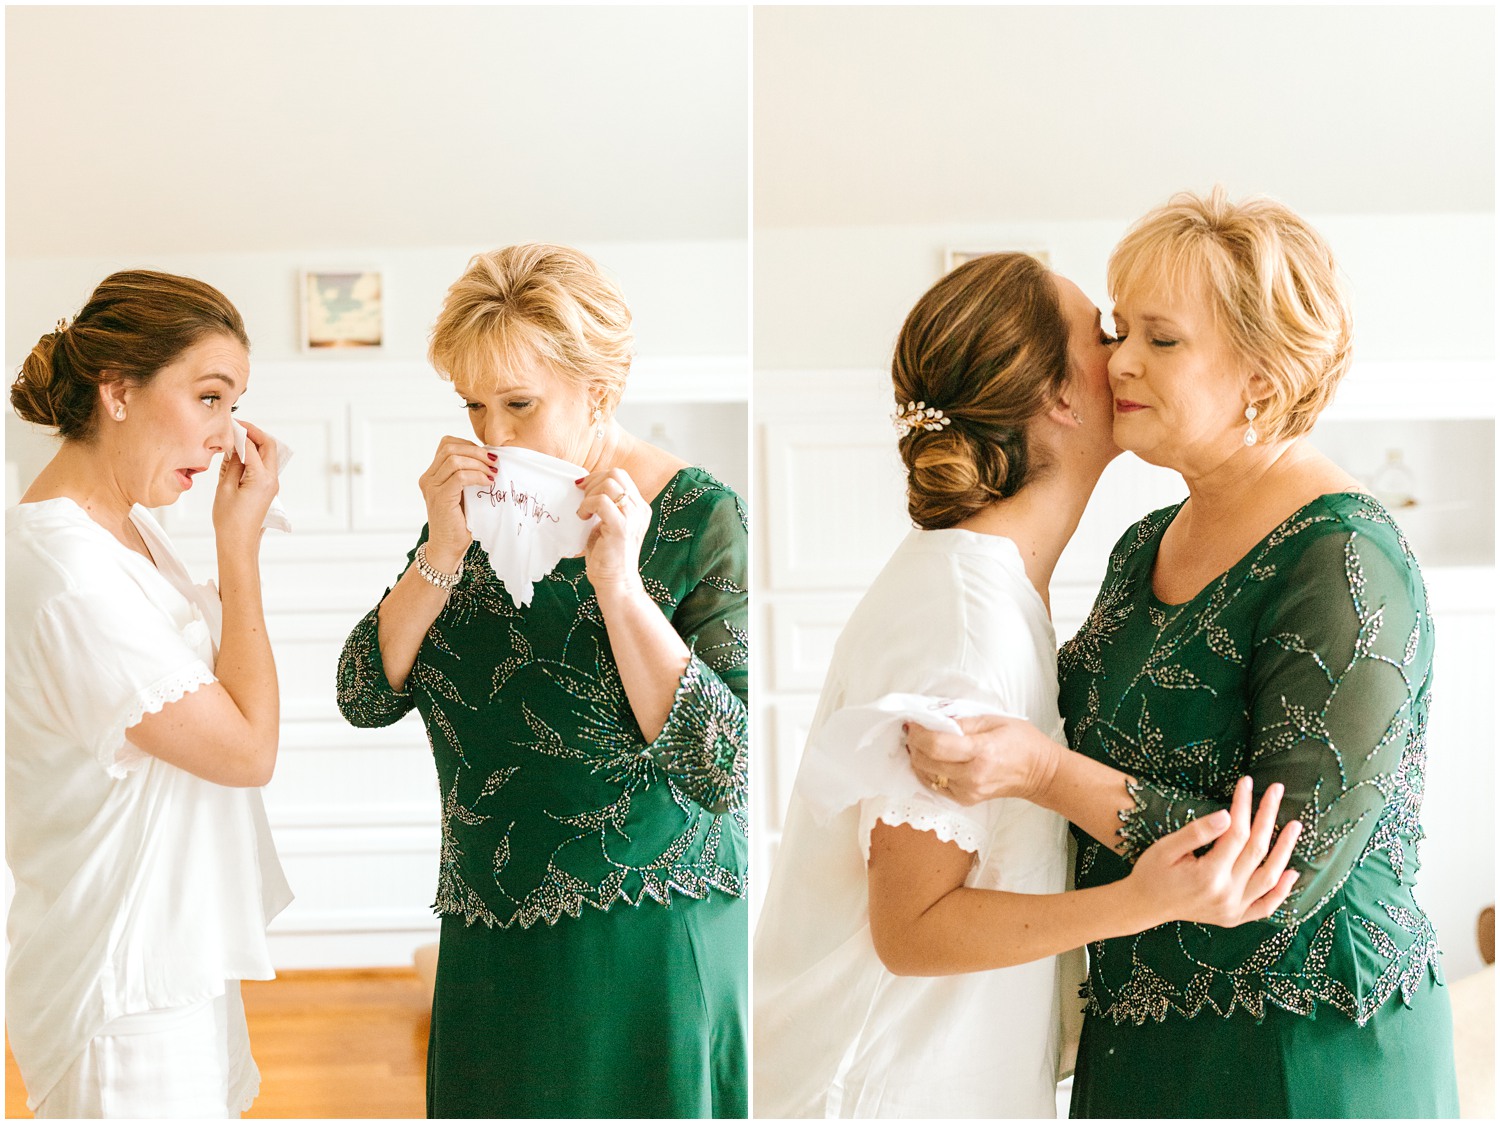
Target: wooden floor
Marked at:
329, 1044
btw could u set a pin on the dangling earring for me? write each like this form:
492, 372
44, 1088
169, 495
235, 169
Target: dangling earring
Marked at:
119, 413
598, 423
1251, 437
1076, 418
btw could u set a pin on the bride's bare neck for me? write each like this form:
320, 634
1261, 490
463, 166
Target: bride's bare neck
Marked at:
1040, 519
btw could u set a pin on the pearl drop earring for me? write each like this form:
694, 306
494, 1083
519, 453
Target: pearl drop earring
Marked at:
1251, 437
598, 423
119, 413
1076, 417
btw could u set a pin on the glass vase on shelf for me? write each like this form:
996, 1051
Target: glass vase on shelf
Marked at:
1394, 484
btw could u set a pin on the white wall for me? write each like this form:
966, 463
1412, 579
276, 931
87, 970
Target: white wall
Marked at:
1424, 285
689, 298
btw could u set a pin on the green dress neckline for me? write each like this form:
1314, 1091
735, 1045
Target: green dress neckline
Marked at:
1236, 568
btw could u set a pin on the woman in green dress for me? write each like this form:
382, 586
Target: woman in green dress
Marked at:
590, 745
1273, 624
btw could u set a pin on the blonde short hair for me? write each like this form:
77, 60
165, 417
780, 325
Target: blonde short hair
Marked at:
1272, 285
535, 303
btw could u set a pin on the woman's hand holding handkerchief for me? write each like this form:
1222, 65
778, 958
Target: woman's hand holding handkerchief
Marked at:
620, 515
860, 752
528, 517
276, 518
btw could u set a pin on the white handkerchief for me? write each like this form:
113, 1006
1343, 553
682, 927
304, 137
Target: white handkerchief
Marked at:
860, 752
275, 519
527, 520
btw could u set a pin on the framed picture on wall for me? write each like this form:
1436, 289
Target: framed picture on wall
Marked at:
341, 309
954, 257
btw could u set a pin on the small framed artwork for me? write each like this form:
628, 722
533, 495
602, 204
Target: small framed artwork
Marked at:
341, 309
954, 257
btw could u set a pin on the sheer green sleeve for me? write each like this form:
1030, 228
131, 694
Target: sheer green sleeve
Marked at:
704, 746
1338, 678
365, 696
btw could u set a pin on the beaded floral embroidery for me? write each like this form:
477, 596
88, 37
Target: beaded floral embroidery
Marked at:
1308, 663
552, 798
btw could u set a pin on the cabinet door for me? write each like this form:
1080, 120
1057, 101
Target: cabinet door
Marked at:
314, 488
835, 499
392, 440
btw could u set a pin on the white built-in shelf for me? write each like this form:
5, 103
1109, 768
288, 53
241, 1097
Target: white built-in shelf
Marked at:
653, 378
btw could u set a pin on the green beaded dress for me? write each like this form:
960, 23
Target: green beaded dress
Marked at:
1309, 663
592, 959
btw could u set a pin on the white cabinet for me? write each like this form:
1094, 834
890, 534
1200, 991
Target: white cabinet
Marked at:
391, 443
360, 438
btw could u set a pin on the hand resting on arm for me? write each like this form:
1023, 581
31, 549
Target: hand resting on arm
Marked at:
924, 921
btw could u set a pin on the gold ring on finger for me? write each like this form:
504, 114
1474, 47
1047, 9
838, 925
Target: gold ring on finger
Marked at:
620, 501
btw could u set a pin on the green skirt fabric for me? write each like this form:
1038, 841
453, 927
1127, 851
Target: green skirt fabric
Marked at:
637, 1011
1399, 1064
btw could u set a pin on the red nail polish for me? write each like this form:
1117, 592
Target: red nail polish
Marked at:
492, 456
580, 480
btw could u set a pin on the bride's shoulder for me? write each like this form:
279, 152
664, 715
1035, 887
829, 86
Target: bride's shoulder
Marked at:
923, 602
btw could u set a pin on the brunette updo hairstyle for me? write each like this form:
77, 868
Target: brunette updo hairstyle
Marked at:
988, 346
135, 323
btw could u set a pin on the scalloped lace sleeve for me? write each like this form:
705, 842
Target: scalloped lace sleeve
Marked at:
857, 757
107, 655
116, 753
950, 824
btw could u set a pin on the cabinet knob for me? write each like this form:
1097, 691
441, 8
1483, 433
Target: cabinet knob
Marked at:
357, 469
336, 468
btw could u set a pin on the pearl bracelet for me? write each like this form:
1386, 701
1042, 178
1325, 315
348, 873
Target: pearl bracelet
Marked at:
443, 581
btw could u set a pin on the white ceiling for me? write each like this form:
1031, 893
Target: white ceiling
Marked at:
881, 115
235, 129
238, 129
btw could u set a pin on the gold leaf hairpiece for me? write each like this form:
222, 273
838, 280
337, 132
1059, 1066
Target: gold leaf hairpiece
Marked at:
918, 415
